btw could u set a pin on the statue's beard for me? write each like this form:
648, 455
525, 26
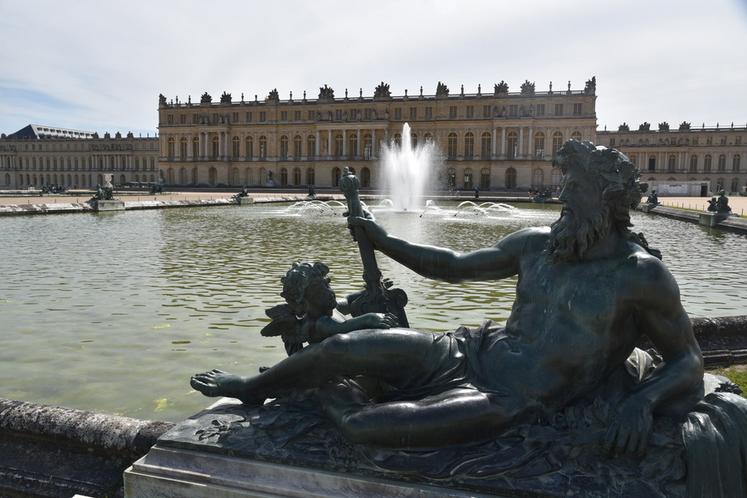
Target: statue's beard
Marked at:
574, 234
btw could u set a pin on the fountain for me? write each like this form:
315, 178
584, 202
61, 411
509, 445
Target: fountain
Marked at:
407, 170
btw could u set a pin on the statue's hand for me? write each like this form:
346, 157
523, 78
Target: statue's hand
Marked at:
631, 428
374, 232
378, 320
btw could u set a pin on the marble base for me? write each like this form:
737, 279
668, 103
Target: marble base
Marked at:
112, 205
176, 472
246, 201
711, 219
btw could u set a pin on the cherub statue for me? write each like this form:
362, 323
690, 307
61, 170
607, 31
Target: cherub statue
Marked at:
312, 311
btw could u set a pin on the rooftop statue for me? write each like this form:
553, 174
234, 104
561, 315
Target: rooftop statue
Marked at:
500, 88
663, 126
527, 88
273, 96
645, 126
442, 90
382, 91
685, 125
623, 127
206, 98
225, 98
326, 93
161, 100
539, 400
591, 86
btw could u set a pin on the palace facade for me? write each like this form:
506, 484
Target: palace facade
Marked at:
498, 139
713, 156
39, 155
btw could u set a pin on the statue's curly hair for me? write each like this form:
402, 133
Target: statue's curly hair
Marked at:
616, 176
300, 277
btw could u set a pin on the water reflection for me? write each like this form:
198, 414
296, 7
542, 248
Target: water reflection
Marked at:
114, 313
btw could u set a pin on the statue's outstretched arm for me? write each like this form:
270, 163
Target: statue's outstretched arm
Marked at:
499, 261
677, 384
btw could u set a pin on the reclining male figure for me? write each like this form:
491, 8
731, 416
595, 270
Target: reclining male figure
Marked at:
587, 289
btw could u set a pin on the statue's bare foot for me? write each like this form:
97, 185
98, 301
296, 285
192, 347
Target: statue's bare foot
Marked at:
219, 383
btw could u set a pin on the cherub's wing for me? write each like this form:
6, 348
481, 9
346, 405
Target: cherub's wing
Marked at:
285, 326
279, 311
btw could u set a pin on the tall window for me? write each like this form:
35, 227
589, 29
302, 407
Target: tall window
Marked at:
310, 176
195, 148
284, 177
235, 148
469, 145
734, 185
722, 162
707, 164
297, 142
470, 111
336, 177
539, 145
284, 148
182, 149
452, 112
452, 146
249, 148
263, 147
510, 178
576, 135
353, 150
671, 163
577, 109
557, 142
215, 148
367, 146
365, 177
556, 176
693, 164
338, 145
558, 109
468, 178
296, 176
310, 147
538, 178
513, 144
652, 163
485, 142
735, 164
485, 179
170, 151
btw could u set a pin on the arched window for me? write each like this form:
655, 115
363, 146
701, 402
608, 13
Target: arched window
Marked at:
538, 178
353, 148
183, 149
182, 176
170, 150
469, 145
468, 178
452, 146
310, 176
215, 149
365, 177
428, 137
194, 176
513, 145
693, 164
263, 147
485, 143
212, 176
297, 144
335, 177
734, 185
556, 177
485, 178
249, 148
720, 184
539, 145
367, 146
510, 181
284, 148
707, 164
310, 146
451, 178
671, 163
284, 177
296, 176
652, 163
338, 145
557, 142
195, 148
235, 148
235, 178
398, 140
576, 135
722, 162
735, 164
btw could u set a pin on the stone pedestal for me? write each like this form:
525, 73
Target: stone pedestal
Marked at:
111, 205
175, 472
711, 219
246, 201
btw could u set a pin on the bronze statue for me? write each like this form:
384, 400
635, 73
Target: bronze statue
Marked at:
588, 289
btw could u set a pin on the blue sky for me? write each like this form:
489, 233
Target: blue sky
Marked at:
100, 66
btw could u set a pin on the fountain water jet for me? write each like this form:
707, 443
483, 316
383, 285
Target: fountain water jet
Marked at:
408, 171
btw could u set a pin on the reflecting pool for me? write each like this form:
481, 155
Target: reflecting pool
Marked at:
113, 313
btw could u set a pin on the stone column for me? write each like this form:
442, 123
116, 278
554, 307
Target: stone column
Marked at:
344, 143
530, 144
358, 143
316, 145
373, 143
521, 143
494, 144
503, 143
189, 148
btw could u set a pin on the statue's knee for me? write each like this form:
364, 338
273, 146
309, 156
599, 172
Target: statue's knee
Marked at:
357, 428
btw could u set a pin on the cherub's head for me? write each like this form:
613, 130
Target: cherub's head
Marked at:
306, 289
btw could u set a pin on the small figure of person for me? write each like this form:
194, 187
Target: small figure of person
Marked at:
312, 193
477, 192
